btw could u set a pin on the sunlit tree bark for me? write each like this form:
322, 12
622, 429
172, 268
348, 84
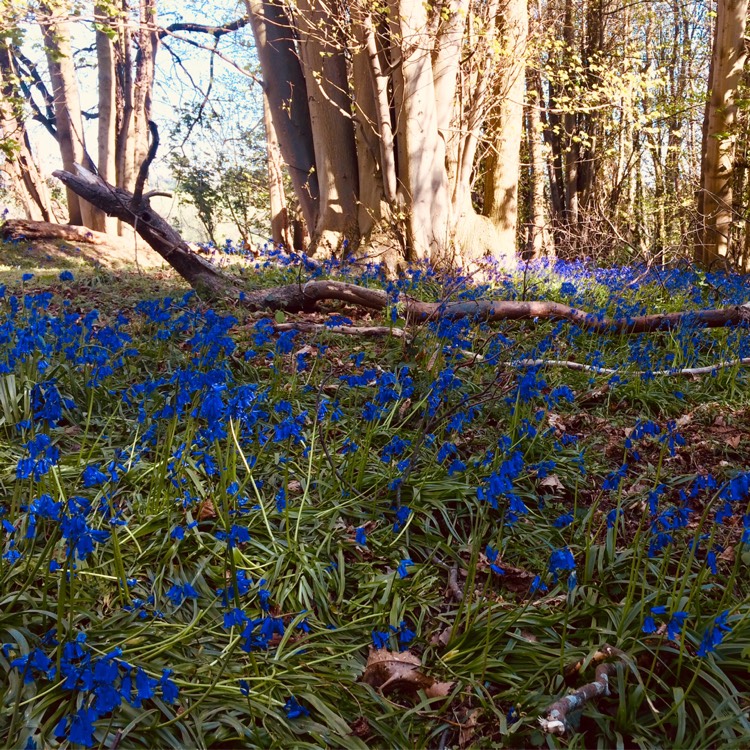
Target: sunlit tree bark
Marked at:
501, 193
15, 147
53, 19
715, 199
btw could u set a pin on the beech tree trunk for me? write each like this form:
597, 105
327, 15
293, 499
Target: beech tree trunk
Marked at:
727, 63
504, 164
56, 34
143, 86
539, 240
322, 52
279, 215
570, 158
422, 173
284, 85
124, 98
379, 115
107, 122
19, 162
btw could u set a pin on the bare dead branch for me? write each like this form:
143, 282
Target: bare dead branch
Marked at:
215, 31
453, 586
300, 297
556, 720
140, 181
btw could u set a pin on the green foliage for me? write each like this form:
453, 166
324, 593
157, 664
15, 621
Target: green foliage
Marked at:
207, 423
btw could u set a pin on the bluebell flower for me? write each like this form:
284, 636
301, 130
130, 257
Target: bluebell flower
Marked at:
380, 638
234, 618
562, 521
169, 691
402, 515
405, 635
360, 536
561, 560
81, 538
93, 476
402, 567
237, 535
294, 710
34, 665
675, 624
456, 466
145, 687
66, 276
491, 554
614, 478
281, 499
178, 594
714, 635
349, 446
178, 533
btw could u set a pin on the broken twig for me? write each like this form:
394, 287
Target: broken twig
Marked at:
556, 720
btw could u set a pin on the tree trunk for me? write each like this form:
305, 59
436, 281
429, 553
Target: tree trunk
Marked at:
571, 155
279, 214
143, 86
372, 121
501, 193
422, 173
20, 165
203, 276
539, 239
727, 62
284, 84
56, 34
107, 122
322, 52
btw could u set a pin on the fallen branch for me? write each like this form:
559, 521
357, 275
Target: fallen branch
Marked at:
19, 230
477, 358
210, 282
556, 720
687, 371
454, 587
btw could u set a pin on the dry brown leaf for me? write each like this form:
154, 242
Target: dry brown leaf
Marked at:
442, 638
734, 440
390, 670
433, 358
552, 481
728, 555
468, 727
294, 487
404, 408
555, 421
206, 511
439, 689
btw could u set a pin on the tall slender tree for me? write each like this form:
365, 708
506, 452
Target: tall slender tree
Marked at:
719, 137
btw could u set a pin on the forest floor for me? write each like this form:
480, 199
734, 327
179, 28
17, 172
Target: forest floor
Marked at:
218, 533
